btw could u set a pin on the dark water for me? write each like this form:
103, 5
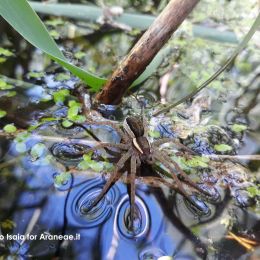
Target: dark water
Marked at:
32, 202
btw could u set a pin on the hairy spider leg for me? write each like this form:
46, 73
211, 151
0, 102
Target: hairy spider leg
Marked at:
157, 181
113, 178
109, 145
132, 189
184, 175
167, 164
145, 124
113, 125
170, 140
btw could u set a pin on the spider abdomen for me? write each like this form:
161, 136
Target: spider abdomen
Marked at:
136, 126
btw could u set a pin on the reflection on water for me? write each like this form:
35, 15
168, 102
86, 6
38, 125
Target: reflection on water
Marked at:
165, 223
33, 202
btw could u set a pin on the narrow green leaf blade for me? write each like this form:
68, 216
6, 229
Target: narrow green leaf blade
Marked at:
22, 17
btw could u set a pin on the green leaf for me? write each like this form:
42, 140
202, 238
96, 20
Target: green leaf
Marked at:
20, 147
79, 55
73, 103
67, 123
154, 134
72, 112
237, 128
254, 191
2, 113
62, 77
22, 137
141, 21
60, 95
10, 128
62, 178
198, 161
96, 166
4, 85
37, 151
87, 157
54, 22
83, 165
35, 74
92, 164
5, 52
23, 19
54, 34
222, 148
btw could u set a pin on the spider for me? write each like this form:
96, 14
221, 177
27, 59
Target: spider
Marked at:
137, 149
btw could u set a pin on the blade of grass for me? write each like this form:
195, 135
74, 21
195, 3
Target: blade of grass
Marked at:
238, 49
141, 21
91, 13
22, 17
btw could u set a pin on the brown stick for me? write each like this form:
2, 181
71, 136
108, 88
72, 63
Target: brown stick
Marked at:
144, 50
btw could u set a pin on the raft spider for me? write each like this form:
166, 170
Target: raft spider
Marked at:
137, 149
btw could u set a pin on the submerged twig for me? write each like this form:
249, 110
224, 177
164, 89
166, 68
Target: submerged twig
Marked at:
55, 139
252, 157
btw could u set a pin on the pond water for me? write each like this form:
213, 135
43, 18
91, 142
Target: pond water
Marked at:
43, 196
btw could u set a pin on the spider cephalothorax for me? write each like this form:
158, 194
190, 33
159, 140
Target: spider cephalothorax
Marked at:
136, 148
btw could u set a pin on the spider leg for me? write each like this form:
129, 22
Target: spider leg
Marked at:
170, 140
109, 145
184, 175
132, 189
113, 178
113, 125
167, 164
156, 182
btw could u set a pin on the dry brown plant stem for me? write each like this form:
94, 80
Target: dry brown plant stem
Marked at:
144, 51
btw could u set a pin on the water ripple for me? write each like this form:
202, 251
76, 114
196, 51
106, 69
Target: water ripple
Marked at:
141, 222
82, 198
